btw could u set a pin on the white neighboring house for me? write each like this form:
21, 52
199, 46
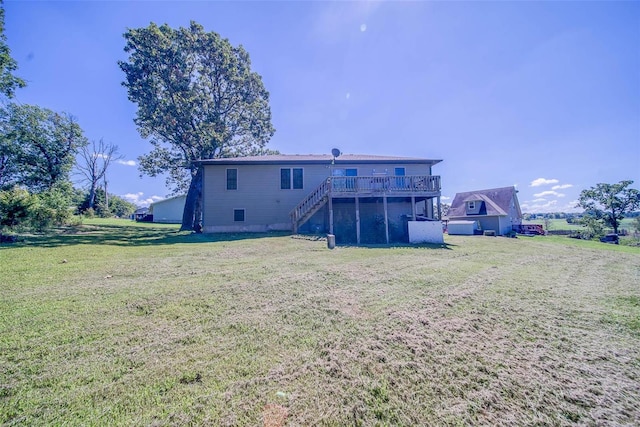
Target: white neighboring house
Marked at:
168, 210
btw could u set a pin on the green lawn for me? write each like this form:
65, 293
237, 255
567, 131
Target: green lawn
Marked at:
119, 323
562, 224
556, 224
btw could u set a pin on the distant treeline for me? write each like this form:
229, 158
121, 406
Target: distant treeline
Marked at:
566, 215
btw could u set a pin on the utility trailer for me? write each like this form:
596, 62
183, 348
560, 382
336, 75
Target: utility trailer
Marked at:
535, 229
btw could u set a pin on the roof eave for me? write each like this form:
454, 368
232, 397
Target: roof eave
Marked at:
236, 161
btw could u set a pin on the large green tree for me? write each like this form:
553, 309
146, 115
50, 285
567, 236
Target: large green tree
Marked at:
197, 99
9, 167
8, 82
610, 202
38, 147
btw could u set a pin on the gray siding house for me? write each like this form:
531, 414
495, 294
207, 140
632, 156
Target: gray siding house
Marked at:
495, 209
359, 198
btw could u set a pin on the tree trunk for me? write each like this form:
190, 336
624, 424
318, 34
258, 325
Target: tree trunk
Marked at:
197, 223
192, 214
92, 196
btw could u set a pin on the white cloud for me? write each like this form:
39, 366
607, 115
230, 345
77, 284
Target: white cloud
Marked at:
445, 198
551, 206
548, 193
572, 206
543, 181
127, 162
539, 207
138, 199
538, 200
562, 186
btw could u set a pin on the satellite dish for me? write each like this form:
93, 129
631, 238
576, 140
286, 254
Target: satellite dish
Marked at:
335, 152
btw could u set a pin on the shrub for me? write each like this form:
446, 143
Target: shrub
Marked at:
117, 206
51, 208
15, 207
594, 228
20, 209
89, 213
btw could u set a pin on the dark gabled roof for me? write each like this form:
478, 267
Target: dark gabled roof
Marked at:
317, 159
497, 202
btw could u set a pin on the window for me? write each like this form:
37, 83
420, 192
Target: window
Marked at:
400, 182
345, 172
232, 179
345, 180
238, 215
351, 183
285, 179
471, 205
297, 178
291, 178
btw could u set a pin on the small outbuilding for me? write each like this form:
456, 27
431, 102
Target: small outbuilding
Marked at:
425, 232
168, 210
463, 228
141, 214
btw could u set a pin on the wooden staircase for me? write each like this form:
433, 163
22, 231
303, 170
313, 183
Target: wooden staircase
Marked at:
310, 205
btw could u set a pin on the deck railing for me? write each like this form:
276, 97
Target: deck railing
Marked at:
385, 183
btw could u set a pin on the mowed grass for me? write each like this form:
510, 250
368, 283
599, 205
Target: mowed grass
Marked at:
117, 323
627, 224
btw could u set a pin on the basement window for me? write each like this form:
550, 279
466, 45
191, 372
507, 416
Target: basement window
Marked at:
238, 215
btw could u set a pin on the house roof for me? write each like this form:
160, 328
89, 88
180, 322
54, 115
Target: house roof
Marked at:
318, 159
497, 202
169, 199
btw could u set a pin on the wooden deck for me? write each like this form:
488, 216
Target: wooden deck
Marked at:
385, 185
415, 187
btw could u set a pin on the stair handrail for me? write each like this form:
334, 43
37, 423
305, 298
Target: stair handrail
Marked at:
311, 200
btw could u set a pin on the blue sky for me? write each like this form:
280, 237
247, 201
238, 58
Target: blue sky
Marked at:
541, 95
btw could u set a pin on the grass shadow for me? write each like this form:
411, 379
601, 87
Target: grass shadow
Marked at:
448, 246
403, 245
128, 235
137, 234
